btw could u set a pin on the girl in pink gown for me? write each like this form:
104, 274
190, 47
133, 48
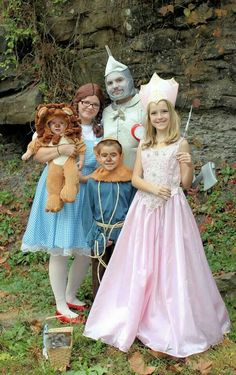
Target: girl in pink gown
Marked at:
158, 286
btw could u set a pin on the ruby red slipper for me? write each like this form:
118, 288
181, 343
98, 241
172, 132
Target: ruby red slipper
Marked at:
66, 319
77, 307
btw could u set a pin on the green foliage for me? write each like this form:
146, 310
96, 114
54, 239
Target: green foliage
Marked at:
20, 28
11, 223
13, 165
7, 227
29, 190
59, 2
10, 220
227, 173
31, 50
15, 339
17, 257
217, 211
6, 197
30, 287
85, 370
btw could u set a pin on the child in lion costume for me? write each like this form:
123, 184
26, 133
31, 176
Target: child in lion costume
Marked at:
57, 124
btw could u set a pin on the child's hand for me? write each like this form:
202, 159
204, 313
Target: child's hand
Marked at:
162, 192
84, 179
193, 191
68, 149
184, 157
26, 156
109, 243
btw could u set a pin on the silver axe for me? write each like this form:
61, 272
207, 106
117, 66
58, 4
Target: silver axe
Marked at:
207, 173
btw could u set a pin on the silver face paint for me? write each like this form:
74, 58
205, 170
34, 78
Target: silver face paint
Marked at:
119, 85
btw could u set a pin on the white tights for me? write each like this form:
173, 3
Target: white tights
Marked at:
65, 285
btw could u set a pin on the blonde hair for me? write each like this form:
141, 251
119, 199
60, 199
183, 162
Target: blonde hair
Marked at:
173, 131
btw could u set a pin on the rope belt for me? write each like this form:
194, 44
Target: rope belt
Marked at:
119, 224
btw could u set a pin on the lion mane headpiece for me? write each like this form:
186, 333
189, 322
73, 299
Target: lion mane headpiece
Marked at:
46, 112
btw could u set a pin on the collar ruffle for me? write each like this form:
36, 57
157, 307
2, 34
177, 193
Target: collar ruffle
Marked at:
120, 174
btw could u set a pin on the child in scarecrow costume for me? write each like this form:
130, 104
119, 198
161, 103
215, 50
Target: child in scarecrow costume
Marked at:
109, 195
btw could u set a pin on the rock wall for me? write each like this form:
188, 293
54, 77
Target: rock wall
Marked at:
192, 41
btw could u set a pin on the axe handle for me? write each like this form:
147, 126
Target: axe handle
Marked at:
197, 180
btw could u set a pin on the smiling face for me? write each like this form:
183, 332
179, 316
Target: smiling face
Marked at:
109, 157
120, 85
88, 108
58, 125
116, 85
162, 124
159, 116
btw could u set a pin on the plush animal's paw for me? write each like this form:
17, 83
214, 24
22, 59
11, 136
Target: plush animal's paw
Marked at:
54, 203
68, 193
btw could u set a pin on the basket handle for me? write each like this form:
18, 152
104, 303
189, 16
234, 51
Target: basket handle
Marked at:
52, 317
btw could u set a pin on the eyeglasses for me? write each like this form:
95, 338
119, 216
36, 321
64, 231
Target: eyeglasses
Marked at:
88, 104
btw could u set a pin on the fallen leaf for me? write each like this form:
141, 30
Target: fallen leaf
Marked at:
4, 257
166, 9
226, 342
170, 8
187, 12
3, 294
177, 368
138, 365
220, 49
36, 353
7, 211
203, 366
201, 15
36, 326
217, 32
6, 266
220, 12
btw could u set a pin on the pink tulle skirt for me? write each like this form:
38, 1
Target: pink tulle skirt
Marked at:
158, 286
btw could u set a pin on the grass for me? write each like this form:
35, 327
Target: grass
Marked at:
26, 298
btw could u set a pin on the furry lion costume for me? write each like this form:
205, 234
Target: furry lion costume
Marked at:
63, 176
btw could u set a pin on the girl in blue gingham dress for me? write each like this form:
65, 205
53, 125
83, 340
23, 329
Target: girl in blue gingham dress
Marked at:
61, 234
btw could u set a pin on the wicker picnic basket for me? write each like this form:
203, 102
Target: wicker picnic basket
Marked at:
59, 354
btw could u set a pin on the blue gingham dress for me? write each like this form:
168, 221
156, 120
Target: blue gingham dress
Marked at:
59, 233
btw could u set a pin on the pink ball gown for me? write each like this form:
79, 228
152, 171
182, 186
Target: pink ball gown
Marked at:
158, 286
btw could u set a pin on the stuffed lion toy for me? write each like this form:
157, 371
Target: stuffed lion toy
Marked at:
63, 176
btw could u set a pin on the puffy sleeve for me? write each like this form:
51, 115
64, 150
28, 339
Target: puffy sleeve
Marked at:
80, 147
